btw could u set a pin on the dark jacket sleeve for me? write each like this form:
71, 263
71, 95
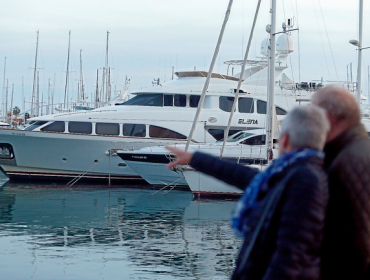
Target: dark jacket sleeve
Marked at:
300, 228
232, 173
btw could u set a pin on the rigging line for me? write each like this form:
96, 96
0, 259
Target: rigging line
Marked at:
322, 43
327, 36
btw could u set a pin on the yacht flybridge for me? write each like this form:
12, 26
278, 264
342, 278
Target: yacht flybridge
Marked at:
82, 145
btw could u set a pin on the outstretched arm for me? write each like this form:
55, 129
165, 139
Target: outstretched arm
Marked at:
232, 173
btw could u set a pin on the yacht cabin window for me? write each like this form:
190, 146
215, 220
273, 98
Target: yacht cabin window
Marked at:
226, 103
218, 134
262, 108
35, 125
180, 100
136, 130
107, 128
194, 101
159, 100
80, 127
257, 140
57, 126
168, 100
153, 99
161, 132
246, 105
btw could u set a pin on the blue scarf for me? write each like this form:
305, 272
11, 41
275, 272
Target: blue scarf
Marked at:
259, 184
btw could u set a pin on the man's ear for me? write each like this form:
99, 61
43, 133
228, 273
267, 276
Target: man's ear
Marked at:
286, 140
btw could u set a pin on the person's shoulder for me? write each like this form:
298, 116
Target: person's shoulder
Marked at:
307, 173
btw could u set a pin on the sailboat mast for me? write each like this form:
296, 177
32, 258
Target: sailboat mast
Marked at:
11, 103
97, 89
106, 70
271, 83
67, 72
3, 95
6, 100
34, 78
81, 88
359, 63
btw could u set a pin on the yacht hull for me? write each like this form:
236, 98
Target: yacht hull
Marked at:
57, 156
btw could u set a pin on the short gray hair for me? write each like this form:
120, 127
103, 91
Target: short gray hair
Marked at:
307, 127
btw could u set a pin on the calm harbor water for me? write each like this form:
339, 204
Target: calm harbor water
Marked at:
54, 232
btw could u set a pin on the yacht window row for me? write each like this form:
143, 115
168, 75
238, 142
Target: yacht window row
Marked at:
110, 129
160, 100
247, 105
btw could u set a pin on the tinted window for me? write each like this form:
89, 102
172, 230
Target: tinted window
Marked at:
226, 103
194, 100
280, 111
107, 128
256, 140
168, 100
160, 132
218, 134
54, 127
146, 100
246, 105
80, 127
261, 107
180, 100
35, 125
137, 130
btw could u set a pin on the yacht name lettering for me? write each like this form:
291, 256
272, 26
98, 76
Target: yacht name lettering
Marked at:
139, 157
248, 121
18, 134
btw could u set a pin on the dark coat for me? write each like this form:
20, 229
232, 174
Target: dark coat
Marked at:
346, 246
288, 246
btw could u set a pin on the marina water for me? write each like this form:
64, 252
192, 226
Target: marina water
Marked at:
95, 232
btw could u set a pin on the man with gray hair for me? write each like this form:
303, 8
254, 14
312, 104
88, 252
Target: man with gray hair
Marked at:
281, 213
346, 245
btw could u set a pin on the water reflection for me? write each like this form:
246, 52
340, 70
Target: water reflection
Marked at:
117, 232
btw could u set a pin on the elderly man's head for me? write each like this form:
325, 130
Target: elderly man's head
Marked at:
304, 127
341, 107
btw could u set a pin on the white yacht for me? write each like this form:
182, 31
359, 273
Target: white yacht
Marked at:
82, 145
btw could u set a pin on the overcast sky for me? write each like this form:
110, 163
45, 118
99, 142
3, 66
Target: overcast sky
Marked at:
148, 37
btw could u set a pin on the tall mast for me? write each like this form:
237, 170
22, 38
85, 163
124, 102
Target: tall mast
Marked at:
23, 99
97, 89
38, 95
271, 82
67, 72
3, 95
33, 100
359, 63
48, 108
106, 70
206, 84
6, 100
81, 87
11, 103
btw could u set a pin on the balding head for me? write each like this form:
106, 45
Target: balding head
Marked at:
341, 107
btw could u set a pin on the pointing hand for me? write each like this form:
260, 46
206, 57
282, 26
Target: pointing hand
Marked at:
182, 157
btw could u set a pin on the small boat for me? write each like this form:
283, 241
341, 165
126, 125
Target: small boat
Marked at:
244, 147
